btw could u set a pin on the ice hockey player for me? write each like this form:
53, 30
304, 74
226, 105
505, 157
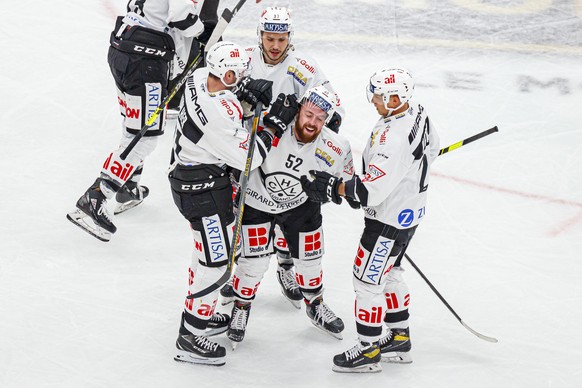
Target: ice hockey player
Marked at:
211, 140
276, 59
274, 196
392, 192
149, 45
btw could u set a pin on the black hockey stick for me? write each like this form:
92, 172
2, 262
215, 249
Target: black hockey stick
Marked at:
483, 337
225, 19
241, 207
468, 140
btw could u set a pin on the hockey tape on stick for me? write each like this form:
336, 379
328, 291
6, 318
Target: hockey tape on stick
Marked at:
241, 208
483, 337
225, 19
468, 140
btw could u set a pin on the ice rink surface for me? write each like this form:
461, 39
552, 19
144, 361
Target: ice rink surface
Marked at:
502, 239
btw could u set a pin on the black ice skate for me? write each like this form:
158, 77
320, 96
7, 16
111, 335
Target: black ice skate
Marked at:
395, 346
198, 349
92, 215
238, 324
323, 318
129, 196
289, 287
362, 358
227, 293
217, 324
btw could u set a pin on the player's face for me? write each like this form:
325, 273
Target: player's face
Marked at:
309, 123
274, 46
378, 102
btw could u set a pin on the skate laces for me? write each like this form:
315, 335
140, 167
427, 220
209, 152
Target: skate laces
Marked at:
102, 211
386, 339
239, 318
288, 279
354, 352
218, 317
324, 313
205, 343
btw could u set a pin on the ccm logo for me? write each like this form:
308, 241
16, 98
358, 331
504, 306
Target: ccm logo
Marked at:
198, 186
149, 50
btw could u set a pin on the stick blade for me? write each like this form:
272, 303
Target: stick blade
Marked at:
483, 337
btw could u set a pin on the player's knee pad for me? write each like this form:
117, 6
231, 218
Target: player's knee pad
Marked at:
117, 170
373, 266
212, 240
397, 299
309, 277
248, 275
202, 308
257, 240
143, 148
310, 245
369, 310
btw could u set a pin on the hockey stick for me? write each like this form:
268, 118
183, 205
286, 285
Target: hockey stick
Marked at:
225, 19
444, 151
241, 207
468, 140
483, 337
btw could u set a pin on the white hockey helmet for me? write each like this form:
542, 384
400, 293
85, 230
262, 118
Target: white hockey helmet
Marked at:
227, 56
321, 98
389, 82
276, 20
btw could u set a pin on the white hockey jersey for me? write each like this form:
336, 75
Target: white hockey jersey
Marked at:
157, 14
275, 186
210, 128
294, 75
396, 164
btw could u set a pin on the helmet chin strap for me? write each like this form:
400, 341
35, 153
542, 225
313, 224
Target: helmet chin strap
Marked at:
392, 110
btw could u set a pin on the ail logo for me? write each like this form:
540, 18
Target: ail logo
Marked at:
235, 54
389, 80
374, 315
121, 172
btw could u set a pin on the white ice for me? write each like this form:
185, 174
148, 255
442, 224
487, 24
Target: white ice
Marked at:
501, 240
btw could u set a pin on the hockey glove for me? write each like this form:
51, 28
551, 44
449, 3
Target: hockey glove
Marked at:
208, 29
335, 122
281, 114
323, 188
254, 90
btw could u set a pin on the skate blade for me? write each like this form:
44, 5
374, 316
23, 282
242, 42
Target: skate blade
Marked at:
334, 335
216, 331
125, 206
234, 344
294, 303
191, 358
85, 222
396, 358
369, 368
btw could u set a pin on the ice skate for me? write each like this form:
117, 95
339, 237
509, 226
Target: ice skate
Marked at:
92, 214
323, 318
227, 293
395, 346
364, 357
217, 324
198, 349
238, 323
129, 196
289, 287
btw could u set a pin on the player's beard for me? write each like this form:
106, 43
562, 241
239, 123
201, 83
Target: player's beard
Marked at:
306, 133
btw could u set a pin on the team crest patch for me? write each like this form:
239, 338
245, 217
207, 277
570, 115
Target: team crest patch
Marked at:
373, 173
